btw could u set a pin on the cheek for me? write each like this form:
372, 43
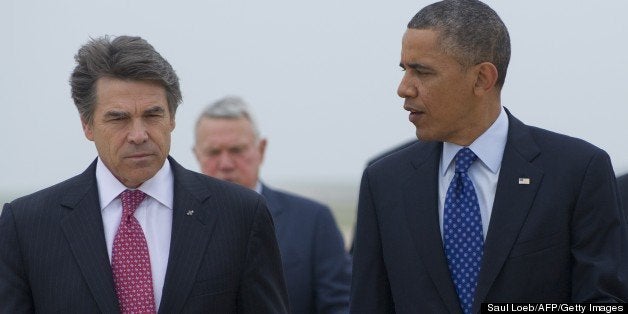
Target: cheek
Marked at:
106, 143
425, 91
209, 166
163, 138
254, 160
111, 138
437, 99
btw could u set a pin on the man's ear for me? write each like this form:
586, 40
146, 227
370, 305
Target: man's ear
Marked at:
173, 124
486, 78
262, 148
87, 129
195, 152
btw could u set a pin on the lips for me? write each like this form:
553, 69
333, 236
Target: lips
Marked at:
412, 109
139, 156
414, 115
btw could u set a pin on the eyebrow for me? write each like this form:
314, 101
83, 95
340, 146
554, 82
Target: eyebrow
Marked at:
113, 114
415, 66
155, 110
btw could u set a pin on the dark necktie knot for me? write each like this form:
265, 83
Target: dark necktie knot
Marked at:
464, 158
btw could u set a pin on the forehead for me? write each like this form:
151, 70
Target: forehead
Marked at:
225, 130
420, 42
119, 92
423, 47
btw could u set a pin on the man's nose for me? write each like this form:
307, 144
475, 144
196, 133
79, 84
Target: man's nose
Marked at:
138, 133
406, 89
225, 161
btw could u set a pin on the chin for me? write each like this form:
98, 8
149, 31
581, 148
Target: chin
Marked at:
229, 180
421, 136
143, 175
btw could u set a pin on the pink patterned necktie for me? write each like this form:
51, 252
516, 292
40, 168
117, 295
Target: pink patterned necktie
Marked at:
130, 261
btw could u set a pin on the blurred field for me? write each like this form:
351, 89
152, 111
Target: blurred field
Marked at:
341, 197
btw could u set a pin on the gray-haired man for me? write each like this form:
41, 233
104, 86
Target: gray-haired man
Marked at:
317, 268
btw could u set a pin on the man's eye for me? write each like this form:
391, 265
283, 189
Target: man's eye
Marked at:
115, 118
236, 150
154, 115
422, 72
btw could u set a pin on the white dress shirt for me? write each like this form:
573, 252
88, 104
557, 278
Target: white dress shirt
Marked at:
154, 215
484, 172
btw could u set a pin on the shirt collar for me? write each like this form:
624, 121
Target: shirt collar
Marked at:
160, 186
258, 187
489, 147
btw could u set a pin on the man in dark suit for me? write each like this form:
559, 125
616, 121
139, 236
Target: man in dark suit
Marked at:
316, 267
136, 232
483, 208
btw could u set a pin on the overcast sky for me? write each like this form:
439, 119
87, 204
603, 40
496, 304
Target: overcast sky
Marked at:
321, 77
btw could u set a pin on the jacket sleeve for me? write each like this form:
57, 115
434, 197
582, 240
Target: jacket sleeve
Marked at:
263, 289
599, 243
370, 287
332, 266
15, 294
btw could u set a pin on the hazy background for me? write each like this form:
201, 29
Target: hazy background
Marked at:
320, 75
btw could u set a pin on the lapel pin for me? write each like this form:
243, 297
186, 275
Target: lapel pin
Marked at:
190, 212
524, 180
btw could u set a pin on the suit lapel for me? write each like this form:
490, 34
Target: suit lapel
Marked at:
275, 209
192, 225
513, 200
421, 204
274, 206
83, 229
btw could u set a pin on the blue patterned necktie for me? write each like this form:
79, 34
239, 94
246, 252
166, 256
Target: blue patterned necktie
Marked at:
462, 230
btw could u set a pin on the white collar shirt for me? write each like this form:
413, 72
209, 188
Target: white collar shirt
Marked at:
154, 215
484, 172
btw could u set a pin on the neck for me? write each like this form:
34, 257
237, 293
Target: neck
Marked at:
481, 123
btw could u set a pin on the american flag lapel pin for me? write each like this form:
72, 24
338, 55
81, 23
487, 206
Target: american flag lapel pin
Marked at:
524, 180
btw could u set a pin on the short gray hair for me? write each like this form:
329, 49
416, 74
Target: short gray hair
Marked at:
470, 31
230, 107
124, 57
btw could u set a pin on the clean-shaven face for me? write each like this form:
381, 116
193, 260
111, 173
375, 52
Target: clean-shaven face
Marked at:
436, 89
228, 149
131, 128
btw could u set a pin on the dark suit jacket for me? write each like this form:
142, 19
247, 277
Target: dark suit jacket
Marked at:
316, 266
380, 156
622, 184
561, 238
223, 258
392, 150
